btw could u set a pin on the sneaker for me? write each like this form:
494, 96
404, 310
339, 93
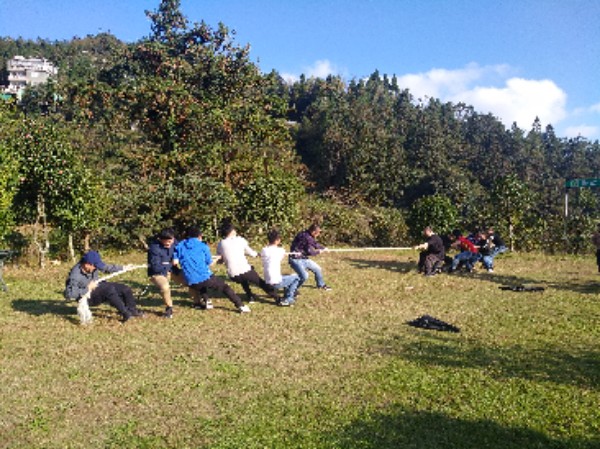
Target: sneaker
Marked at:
252, 298
244, 309
125, 317
205, 305
490, 270
326, 288
168, 312
284, 303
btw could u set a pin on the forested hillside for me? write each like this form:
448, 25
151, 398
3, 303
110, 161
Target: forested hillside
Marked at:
182, 127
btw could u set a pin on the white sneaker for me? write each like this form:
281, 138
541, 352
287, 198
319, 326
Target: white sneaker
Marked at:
209, 305
490, 270
244, 309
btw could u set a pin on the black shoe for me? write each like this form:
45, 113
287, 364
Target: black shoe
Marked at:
126, 317
168, 312
326, 288
205, 305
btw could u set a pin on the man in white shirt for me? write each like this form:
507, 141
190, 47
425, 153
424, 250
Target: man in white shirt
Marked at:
271, 256
233, 250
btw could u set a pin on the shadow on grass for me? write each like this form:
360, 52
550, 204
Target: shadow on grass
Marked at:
390, 265
400, 428
39, 307
581, 368
587, 287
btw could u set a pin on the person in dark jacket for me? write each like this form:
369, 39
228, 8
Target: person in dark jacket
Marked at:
193, 256
160, 268
494, 246
303, 247
83, 277
432, 256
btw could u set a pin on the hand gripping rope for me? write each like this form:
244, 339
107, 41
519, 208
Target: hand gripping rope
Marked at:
83, 308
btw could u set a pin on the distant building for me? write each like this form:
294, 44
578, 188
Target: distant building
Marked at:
24, 72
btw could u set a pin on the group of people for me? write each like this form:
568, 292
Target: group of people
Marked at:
480, 246
189, 262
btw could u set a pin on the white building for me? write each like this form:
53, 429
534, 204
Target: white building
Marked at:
24, 72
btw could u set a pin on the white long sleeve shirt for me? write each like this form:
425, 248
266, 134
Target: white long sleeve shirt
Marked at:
271, 257
233, 250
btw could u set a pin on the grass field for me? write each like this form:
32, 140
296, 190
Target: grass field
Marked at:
341, 369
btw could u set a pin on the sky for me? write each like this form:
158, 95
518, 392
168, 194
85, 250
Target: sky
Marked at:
516, 59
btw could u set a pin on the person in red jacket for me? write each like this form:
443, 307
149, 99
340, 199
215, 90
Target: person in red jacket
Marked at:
468, 255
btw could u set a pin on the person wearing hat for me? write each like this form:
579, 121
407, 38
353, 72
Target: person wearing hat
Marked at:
83, 277
193, 256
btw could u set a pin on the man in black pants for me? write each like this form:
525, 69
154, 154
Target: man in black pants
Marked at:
596, 242
193, 256
83, 277
233, 250
432, 256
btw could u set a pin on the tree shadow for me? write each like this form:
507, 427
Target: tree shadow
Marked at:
397, 427
581, 368
39, 307
394, 266
586, 288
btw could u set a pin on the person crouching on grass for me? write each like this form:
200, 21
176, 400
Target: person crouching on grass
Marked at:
432, 256
233, 250
193, 256
161, 270
271, 257
83, 277
304, 246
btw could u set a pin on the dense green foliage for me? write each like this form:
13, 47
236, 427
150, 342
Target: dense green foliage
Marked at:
181, 127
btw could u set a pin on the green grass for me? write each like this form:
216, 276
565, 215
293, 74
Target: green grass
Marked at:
341, 369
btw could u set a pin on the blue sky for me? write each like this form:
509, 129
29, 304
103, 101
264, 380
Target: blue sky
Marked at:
517, 59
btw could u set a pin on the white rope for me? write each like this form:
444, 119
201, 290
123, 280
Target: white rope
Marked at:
83, 308
348, 250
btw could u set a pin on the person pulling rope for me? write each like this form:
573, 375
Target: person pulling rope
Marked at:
83, 309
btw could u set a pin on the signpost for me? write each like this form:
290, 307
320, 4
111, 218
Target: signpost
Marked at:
577, 184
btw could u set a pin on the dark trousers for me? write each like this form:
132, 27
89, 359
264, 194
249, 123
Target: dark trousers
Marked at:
598, 259
428, 262
120, 296
252, 277
215, 283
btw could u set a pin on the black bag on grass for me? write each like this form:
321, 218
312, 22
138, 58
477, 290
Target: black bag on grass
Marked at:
429, 322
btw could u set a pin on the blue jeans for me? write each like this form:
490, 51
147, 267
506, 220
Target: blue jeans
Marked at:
488, 260
466, 257
303, 266
289, 284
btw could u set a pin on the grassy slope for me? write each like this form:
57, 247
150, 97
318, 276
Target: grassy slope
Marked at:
339, 370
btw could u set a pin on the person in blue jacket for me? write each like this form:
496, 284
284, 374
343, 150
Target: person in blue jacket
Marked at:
161, 271
193, 256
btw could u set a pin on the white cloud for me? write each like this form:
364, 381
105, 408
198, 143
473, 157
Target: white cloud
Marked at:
582, 130
520, 101
595, 108
490, 89
320, 69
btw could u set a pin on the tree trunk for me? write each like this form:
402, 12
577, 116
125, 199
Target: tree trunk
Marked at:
43, 247
71, 247
86, 242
